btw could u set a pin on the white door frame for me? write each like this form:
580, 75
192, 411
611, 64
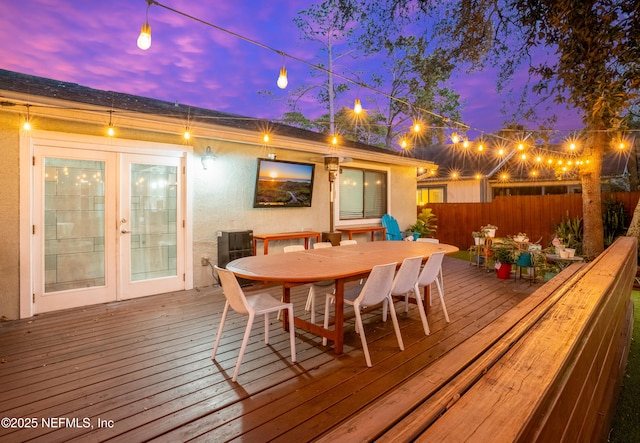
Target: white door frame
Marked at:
30, 139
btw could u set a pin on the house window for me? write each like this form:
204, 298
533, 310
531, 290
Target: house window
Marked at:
431, 194
363, 193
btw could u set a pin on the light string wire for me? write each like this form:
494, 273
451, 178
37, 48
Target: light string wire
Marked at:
312, 65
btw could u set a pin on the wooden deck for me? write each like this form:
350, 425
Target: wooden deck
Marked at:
141, 370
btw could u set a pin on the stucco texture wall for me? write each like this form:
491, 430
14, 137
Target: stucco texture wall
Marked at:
9, 217
222, 198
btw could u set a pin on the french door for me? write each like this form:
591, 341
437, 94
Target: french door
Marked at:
107, 226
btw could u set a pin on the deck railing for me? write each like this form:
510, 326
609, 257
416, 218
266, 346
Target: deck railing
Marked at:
548, 370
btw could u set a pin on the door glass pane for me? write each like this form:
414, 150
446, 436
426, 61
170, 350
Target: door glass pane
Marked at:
153, 197
74, 224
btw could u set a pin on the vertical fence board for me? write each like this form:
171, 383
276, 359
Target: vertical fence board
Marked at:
537, 215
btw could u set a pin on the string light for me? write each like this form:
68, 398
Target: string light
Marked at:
282, 79
186, 134
27, 123
144, 39
357, 107
266, 138
110, 130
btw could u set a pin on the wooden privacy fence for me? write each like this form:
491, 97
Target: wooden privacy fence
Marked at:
535, 215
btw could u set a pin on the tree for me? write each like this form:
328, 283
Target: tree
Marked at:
584, 54
324, 24
414, 78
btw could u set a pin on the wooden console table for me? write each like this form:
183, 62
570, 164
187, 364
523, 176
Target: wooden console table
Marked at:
266, 238
359, 229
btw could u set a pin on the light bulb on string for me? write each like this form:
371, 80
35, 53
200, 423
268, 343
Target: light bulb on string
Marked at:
144, 39
416, 127
357, 107
282, 79
110, 129
186, 134
27, 123
266, 138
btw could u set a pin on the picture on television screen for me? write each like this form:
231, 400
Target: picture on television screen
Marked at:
283, 184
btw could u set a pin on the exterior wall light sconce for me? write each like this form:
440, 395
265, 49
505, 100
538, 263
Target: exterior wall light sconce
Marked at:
207, 159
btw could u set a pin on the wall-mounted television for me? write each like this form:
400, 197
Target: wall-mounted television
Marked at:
283, 184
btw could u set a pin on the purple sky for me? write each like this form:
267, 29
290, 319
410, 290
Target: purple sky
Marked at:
93, 43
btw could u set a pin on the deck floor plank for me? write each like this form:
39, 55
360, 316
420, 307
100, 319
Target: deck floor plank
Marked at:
145, 364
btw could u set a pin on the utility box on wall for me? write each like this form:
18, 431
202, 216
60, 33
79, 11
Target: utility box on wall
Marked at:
233, 245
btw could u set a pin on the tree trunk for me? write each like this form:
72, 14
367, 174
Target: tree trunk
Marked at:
634, 226
590, 173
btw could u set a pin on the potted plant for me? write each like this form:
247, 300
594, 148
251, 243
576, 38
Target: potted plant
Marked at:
425, 225
521, 237
489, 230
478, 237
506, 254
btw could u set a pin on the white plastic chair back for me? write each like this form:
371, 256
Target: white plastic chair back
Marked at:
232, 291
427, 240
257, 304
348, 242
293, 248
322, 244
407, 276
378, 285
431, 269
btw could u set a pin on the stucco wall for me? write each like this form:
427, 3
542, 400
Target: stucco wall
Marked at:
223, 201
222, 197
9, 217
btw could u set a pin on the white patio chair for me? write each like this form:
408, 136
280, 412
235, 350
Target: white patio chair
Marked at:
310, 305
433, 240
348, 242
251, 305
428, 275
322, 244
405, 281
376, 290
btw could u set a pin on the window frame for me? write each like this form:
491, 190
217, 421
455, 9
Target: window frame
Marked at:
361, 221
428, 188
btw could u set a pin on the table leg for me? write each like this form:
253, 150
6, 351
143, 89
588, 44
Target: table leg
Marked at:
286, 298
265, 246
306, 242
255, 246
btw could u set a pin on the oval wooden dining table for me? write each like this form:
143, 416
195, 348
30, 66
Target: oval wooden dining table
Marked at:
339, 263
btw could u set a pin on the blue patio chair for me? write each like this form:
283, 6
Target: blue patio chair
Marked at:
393, 229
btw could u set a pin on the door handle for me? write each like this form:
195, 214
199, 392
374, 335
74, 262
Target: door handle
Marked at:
124, 231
